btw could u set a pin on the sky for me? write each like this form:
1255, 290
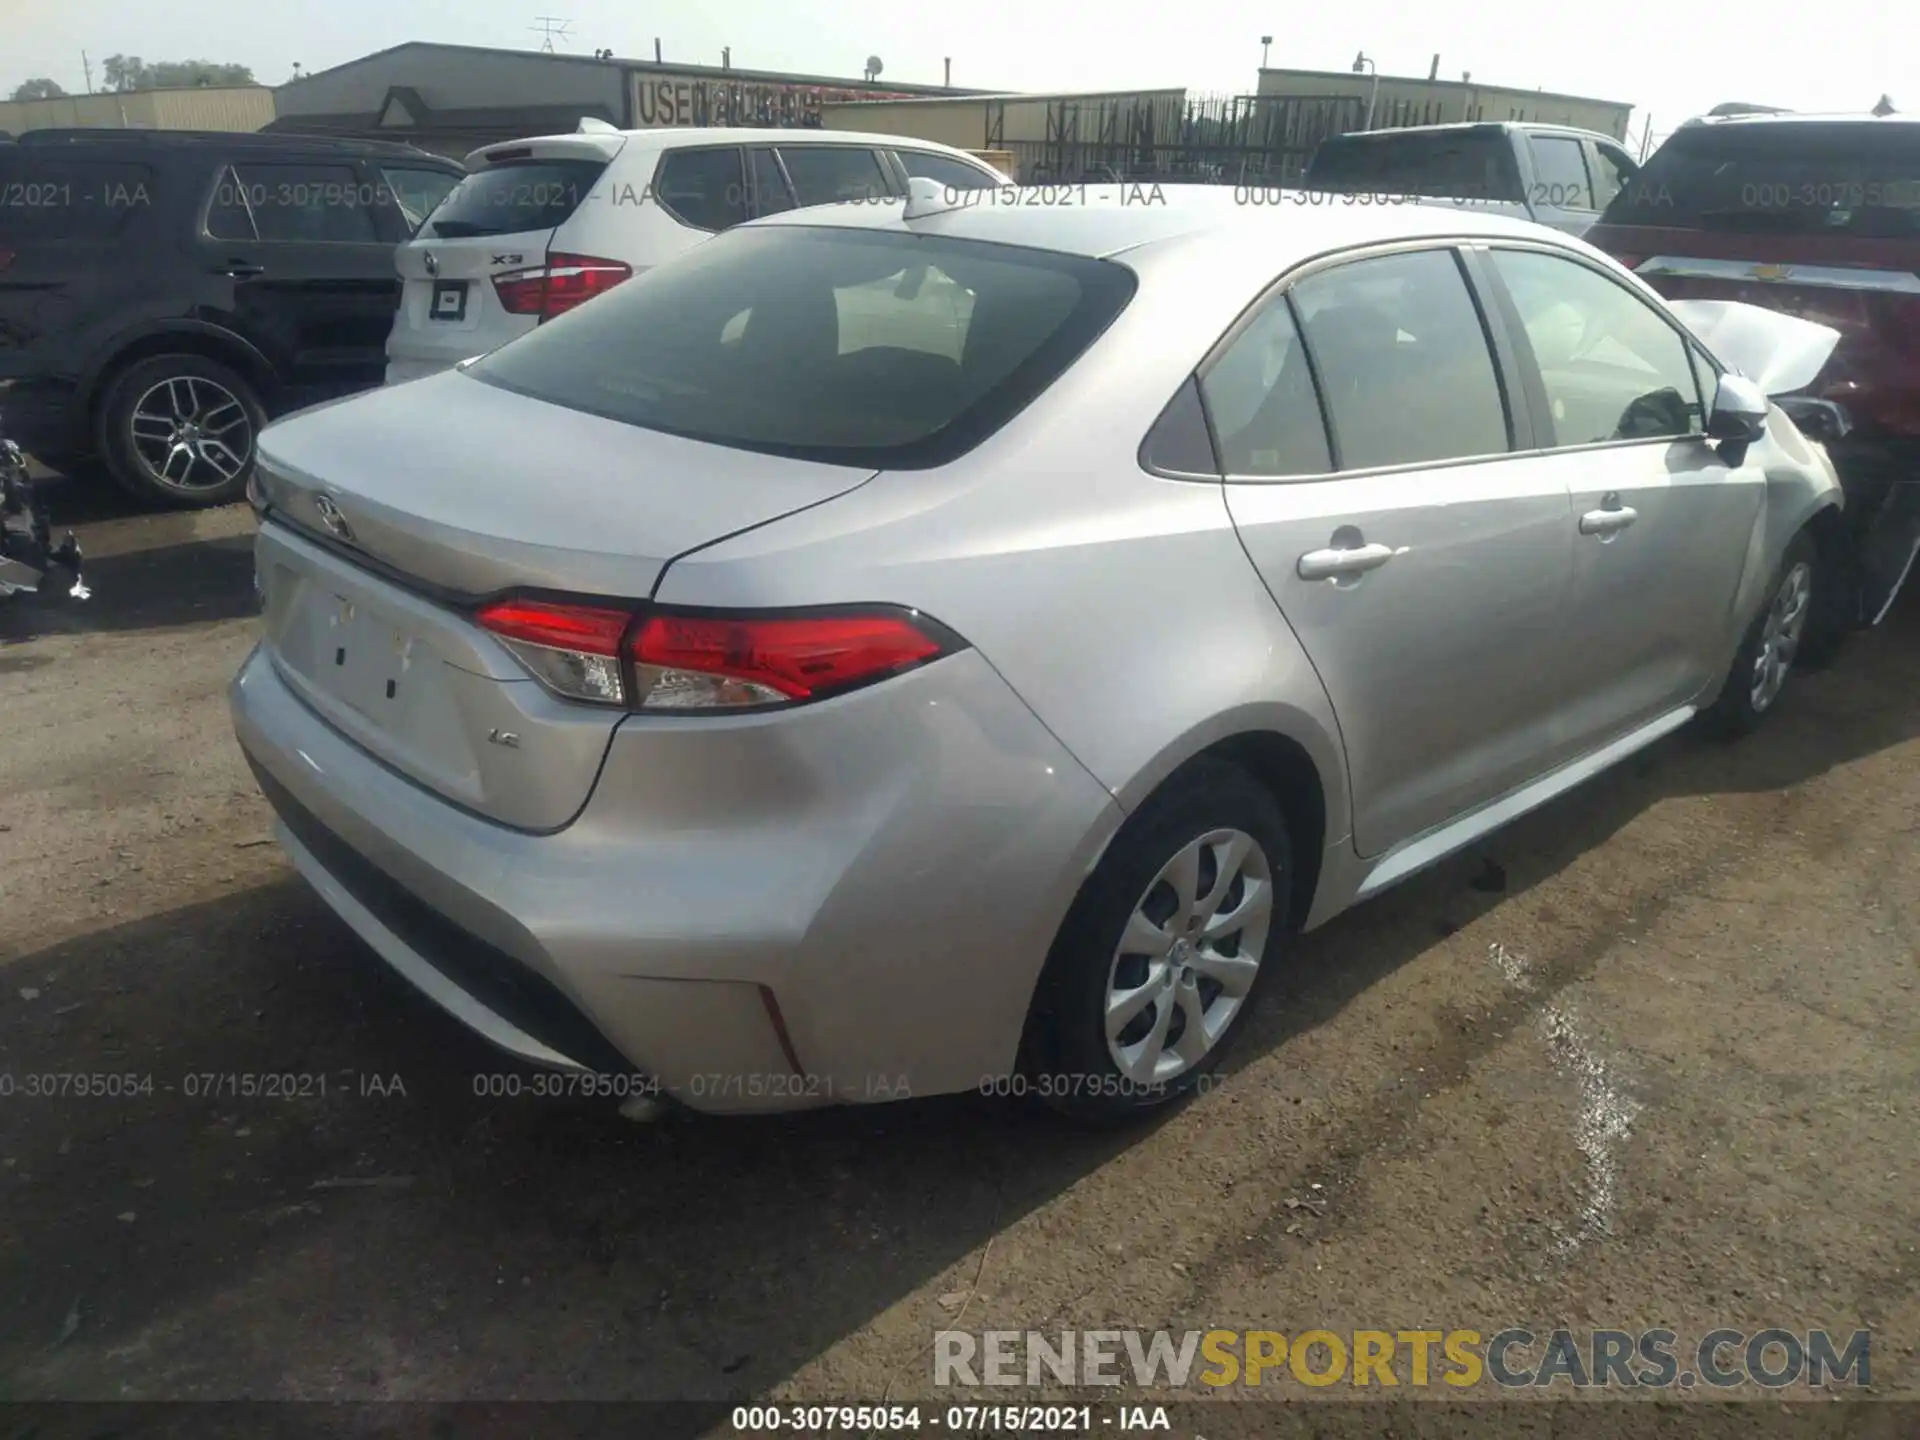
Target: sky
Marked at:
1668, 61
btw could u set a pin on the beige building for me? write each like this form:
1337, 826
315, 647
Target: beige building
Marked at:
223, 107
1402, 100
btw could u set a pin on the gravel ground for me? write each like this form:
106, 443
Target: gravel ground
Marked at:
1652, 1057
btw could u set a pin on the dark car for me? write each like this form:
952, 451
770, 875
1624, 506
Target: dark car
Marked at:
163, 294
1553, 174
1817, 217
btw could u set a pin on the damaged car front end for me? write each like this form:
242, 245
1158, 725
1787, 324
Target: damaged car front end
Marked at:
27, 551
1793, 360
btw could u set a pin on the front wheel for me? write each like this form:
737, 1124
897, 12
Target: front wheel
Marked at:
1161, 956
1772, 643
181, 429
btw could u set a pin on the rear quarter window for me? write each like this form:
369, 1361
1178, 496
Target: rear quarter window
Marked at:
515, 197
1453, 166
1780, 178
851, 347
57, 198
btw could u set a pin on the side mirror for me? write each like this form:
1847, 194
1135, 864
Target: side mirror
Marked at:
1739, 411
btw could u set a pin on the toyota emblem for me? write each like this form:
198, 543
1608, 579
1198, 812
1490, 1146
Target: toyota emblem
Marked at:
432, 262
331, 517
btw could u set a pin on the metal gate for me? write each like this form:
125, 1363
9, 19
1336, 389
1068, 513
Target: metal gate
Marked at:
1222, 140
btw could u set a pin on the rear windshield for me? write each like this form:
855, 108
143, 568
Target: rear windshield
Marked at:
1456, 166
852, 347
54, 198
515, 197
1858, 178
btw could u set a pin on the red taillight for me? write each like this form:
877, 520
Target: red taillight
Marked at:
1632, 262
704, 662
564, 282
574, 650
712, 661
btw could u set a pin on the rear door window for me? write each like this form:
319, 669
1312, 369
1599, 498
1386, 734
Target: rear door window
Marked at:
703, 188
1560, 173
56, 198
1457, 165
515, 197
855, 347
1404, 361
1260, 398
294, 203
828, 174
1858, 178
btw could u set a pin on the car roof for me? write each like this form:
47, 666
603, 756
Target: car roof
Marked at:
280, 142
1101, 221
1458, 127
665, 136
1848, 117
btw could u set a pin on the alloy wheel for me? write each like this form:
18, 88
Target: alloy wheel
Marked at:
1189, 956
1780, 636
191, 433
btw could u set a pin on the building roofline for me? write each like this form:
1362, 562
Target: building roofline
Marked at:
666, 67
1367, 79
1024, 95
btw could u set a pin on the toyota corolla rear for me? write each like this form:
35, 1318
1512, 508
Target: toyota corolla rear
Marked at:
760, 855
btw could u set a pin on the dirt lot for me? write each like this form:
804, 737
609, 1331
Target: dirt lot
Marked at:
1657, 1064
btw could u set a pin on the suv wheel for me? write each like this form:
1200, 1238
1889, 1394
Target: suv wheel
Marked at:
1160, 958
181, 429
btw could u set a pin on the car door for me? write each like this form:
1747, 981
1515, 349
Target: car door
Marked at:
1663, 518
1422, 563
312, 276
1560, 191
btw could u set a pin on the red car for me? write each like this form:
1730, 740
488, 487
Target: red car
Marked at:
1818, 217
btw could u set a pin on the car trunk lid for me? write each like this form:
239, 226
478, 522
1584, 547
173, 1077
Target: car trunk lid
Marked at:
390, 517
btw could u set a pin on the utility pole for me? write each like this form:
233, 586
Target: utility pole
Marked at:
86, 69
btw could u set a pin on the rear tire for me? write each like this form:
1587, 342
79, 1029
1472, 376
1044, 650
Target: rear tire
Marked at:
1172, 937
180, 430
1772, 644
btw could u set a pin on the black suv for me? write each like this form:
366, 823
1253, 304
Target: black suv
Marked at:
163, 293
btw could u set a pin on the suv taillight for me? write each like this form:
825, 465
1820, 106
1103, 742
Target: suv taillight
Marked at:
559, 285
706, 661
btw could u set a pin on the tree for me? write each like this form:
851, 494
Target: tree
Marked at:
130, 72
39, 89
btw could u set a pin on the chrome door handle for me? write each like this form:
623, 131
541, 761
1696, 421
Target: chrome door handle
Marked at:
1608, 522
1327, 564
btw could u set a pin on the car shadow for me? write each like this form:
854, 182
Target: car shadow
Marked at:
389, 1202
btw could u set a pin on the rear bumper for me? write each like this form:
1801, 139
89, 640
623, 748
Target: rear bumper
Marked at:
758, 914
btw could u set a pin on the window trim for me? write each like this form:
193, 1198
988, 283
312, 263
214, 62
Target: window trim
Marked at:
1530, 368
380, 169
740, 185
220, 173
748, 152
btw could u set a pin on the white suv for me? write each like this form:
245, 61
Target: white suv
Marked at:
541, 225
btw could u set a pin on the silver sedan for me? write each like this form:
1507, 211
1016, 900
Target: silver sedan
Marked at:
899, 650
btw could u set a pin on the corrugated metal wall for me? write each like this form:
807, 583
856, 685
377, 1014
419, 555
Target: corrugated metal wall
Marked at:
239, 107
